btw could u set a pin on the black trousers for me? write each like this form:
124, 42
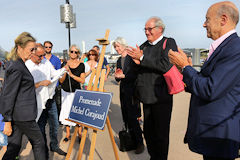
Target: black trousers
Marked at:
214, 158
156, 129
32, 131
130, 112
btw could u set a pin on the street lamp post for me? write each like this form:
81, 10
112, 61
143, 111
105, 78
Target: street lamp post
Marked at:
69, 29
69, 18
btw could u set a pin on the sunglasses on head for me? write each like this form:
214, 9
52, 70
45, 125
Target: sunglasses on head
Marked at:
48, 46
76, 52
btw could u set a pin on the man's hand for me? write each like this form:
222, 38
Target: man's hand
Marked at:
179, 58
67, 68
7, 128
45, 83
135, 53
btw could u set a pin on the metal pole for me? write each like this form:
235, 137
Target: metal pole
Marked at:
69, 30
69, 44
69, 35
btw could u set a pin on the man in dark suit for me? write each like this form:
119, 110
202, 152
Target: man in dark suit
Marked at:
151, 87
213, 125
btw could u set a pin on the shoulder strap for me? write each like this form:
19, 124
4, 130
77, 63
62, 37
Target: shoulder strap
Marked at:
164, 44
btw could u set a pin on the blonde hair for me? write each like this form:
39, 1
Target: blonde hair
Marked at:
21, 41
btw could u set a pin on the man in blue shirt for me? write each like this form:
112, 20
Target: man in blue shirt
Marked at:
50, 114
105, 62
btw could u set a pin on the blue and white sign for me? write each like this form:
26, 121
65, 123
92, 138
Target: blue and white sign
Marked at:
90, 108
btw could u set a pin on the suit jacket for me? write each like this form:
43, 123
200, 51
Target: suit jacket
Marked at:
214, 107
18, 98
151, 85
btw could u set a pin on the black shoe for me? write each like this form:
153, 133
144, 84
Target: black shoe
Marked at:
140, 149
59, 151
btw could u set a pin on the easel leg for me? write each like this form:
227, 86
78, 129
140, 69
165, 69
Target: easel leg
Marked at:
81, 146
93, 142
112, 139
72, 143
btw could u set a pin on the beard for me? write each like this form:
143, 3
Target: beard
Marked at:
47, 52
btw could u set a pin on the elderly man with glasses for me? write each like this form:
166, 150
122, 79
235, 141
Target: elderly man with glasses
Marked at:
151, 87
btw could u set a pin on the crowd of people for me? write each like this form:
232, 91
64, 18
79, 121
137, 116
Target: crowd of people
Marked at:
38, 74
213, 124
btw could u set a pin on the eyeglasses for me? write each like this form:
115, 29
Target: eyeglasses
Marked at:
40, 55
76, 52
149, 29
33, 49
48, 47
92, 54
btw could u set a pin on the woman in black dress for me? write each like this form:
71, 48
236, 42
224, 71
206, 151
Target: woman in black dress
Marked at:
76, 77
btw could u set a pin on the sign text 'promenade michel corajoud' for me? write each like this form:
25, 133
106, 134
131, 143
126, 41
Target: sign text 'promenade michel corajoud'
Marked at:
90, 108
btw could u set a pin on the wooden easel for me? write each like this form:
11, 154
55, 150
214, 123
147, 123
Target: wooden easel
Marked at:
104, 41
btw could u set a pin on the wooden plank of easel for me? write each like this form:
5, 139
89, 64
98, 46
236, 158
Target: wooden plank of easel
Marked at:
112, 138
101, 85
93, 143
72, 143
89, 87
99, 67
94, 134
81, 146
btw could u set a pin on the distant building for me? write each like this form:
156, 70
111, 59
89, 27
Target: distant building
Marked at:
2, 53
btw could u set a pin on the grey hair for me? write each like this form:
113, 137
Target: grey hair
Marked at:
121, 41
229, 10
158, 22
74, 45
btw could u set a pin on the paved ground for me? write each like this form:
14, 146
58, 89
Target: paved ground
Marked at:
103, 151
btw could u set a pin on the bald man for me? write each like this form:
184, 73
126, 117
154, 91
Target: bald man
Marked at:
213, 124
43, 72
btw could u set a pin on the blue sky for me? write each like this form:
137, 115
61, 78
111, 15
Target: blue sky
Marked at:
125, 18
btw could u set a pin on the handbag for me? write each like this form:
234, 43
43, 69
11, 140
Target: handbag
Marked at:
126, 142
173, 78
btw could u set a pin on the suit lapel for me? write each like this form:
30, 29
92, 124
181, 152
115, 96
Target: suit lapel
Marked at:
218, 49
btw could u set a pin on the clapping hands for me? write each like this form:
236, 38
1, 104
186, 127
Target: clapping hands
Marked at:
119, 74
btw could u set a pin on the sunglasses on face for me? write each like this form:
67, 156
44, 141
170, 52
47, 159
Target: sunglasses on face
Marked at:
92, 54
48, 47
40, 55
33, 49
76, 52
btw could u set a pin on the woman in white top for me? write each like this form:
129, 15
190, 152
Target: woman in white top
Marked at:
90, 65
